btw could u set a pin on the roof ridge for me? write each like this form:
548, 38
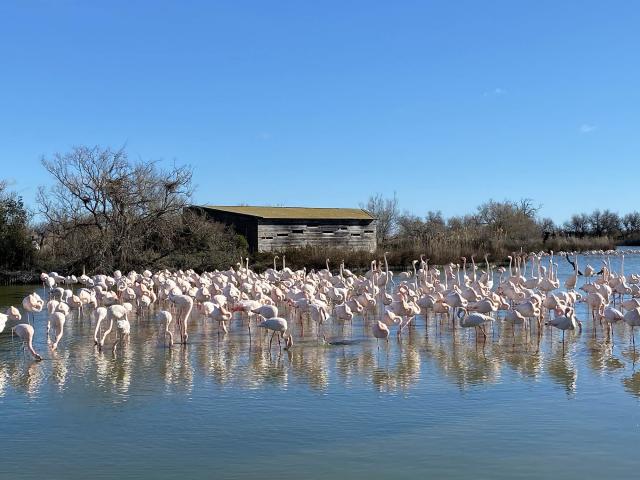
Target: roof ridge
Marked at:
347, 213
288, 206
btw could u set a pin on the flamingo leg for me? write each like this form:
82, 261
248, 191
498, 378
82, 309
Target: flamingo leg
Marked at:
168, 332
483, 331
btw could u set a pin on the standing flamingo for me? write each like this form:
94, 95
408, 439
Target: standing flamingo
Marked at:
565, 319
184, 305
165, 317
32, 304
123, 330
99, 314
475, 320
13, 314
278, 326
117, 312
25, 332
58, 319
380, 330
632, 318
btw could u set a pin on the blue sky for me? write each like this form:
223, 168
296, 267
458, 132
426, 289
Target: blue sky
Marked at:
321, 103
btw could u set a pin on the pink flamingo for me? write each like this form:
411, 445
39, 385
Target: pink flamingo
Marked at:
380, 330
25, 332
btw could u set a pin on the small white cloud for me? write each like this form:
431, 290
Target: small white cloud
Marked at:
587, 128
264, 136
496, 92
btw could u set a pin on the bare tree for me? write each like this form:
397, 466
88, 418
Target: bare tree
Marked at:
387, 213
578, 225
611, 223
631, 223
511, 220
113, 212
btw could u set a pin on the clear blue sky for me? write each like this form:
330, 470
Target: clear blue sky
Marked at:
321, 103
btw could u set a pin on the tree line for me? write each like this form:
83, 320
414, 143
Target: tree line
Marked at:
104, 211
496, 228
604, 223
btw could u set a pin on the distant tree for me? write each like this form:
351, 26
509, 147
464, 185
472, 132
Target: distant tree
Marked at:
515, 221
631, 223
435, 222
387, 213
411, 227
548, 228
16, 248
578, 225
595, 223
457, 223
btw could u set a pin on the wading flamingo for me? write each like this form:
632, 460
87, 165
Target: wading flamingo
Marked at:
184, 305
57, 319
32, 304
565, 319
13, 314
380, 330
114, 312
25, 332
165, 318
475, 320
278, 326
632, 318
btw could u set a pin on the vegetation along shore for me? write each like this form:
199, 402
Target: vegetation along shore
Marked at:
102, 210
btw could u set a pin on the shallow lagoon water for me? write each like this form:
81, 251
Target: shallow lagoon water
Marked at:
436, 404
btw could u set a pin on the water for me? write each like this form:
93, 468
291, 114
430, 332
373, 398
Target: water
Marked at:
222, 408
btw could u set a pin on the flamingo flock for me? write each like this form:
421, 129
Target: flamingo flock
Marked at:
281, 302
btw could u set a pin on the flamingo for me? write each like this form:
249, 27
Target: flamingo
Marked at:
632, 318
123, 330
475, 320
610, 315
165, 318
13, 314
184, 305
380, 330
514, 317
117, 312
26, 332
565, 319
99, 314
32, 304
58, 319
222, 315
278, 326
266, 311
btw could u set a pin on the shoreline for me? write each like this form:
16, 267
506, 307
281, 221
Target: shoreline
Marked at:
30, 277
